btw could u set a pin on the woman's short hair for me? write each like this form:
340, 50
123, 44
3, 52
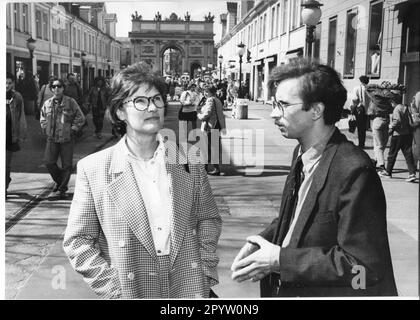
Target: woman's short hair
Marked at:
192, 85
319, 83
125, 83
59, 80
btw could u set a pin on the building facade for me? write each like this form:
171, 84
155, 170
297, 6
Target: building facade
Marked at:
174, 45
78, 38
377, 38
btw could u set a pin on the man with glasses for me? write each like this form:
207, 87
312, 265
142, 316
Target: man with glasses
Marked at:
60, 119
330, 238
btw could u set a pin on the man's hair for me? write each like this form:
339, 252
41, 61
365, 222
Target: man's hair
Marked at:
125, 83
364, 79
70, 74
10, 76
97, 79
318, 83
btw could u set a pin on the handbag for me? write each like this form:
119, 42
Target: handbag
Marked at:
352, 123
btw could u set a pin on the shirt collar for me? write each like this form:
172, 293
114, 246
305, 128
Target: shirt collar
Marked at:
160, 149
314, 153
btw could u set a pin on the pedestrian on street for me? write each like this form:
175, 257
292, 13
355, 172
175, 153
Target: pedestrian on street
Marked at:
401, 133
73, 89
141, 226
29, 93
98, 98
379, 111
15, 123
415, 114
187, 115
60, 119
359, 106
332, 219
44, 94
213, 118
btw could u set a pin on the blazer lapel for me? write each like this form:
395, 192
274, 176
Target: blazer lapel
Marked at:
317, 183
125, 193
182, 191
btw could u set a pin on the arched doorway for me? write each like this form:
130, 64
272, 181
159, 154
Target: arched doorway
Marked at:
172, 62
195, 70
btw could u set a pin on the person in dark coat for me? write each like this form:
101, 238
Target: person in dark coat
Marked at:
97, 98
330, 238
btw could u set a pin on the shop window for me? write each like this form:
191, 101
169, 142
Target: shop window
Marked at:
332, 37
64, 70
350, 43
375, 39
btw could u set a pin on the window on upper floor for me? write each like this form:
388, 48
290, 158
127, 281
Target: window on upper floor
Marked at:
55, 35
277, 19
285, 17
350, 43
38, 24
25, 17
16, 15
295, 14
273, 23
375, 39
317, 42
8, 15
45, 26
264, 27
332, 38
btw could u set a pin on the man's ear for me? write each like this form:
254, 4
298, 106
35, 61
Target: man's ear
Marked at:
318, 109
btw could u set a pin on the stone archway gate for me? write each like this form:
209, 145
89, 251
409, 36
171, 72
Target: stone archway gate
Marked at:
194, 39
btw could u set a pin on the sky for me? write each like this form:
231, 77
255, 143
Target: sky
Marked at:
147, 9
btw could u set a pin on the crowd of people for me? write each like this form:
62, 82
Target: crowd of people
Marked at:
380, 108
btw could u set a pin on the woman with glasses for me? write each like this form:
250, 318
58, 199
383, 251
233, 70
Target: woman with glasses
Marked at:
60, 119
141, 225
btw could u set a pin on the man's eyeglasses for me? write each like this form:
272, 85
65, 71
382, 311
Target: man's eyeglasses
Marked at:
142, 103
281, 106
53, 86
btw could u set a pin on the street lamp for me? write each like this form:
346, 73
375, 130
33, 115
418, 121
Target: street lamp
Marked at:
30, 44
220, 65
311, 14
240, 51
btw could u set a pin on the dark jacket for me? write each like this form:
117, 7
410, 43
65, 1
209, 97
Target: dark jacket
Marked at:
342, 225
94, 94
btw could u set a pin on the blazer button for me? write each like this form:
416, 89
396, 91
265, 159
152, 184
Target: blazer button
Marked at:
152, 274
194, 232
194, 265
197, 296
121, 243
130, 276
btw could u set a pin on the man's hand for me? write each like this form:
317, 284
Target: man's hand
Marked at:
256, 259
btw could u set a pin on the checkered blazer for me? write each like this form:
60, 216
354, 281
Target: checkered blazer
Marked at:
108, 238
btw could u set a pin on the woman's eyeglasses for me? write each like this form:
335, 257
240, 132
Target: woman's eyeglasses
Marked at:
142, 103
53, 86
